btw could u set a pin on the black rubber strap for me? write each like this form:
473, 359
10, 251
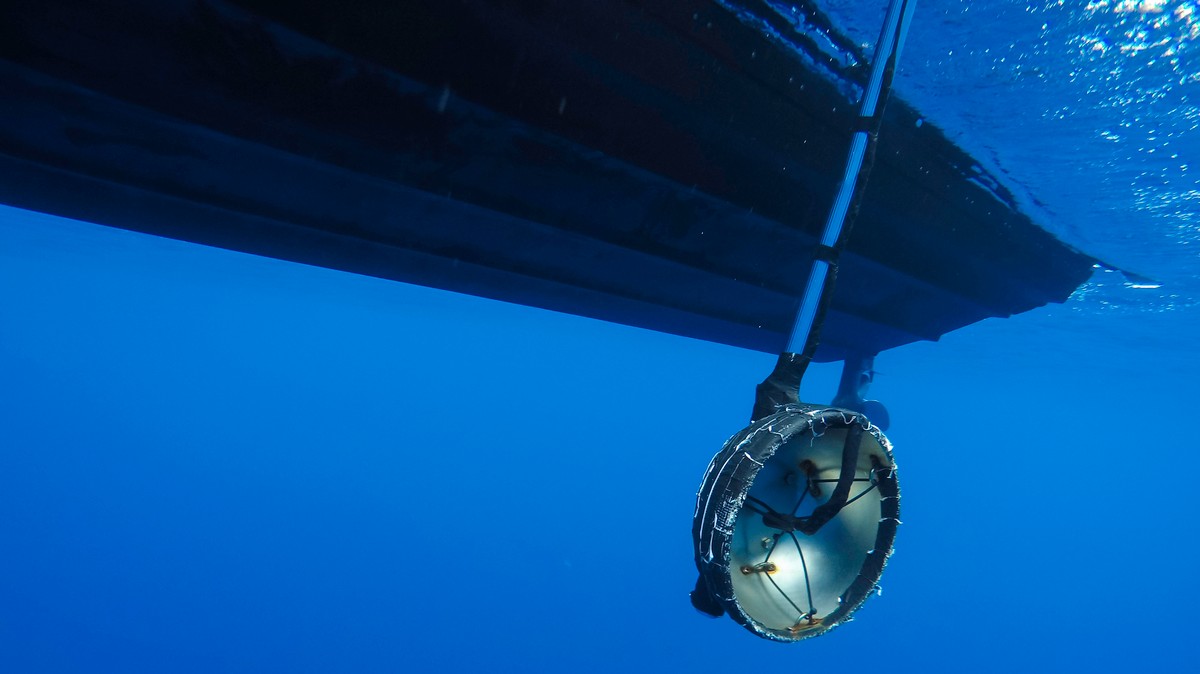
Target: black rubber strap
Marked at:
828, 254
868, 124
841, 493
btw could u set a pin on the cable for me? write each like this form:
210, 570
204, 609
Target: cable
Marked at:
783, 384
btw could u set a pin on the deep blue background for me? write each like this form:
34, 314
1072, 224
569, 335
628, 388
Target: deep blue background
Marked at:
216, 462
213, 461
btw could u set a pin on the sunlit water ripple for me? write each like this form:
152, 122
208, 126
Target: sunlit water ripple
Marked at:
1087, 112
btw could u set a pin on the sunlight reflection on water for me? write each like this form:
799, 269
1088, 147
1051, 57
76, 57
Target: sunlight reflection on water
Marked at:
1087, 112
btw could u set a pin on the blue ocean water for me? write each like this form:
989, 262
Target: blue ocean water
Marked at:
211, 461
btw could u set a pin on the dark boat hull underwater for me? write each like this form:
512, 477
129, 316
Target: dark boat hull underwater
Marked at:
660, 163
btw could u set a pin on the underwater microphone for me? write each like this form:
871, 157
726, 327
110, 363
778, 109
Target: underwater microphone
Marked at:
795, 521
796, 515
